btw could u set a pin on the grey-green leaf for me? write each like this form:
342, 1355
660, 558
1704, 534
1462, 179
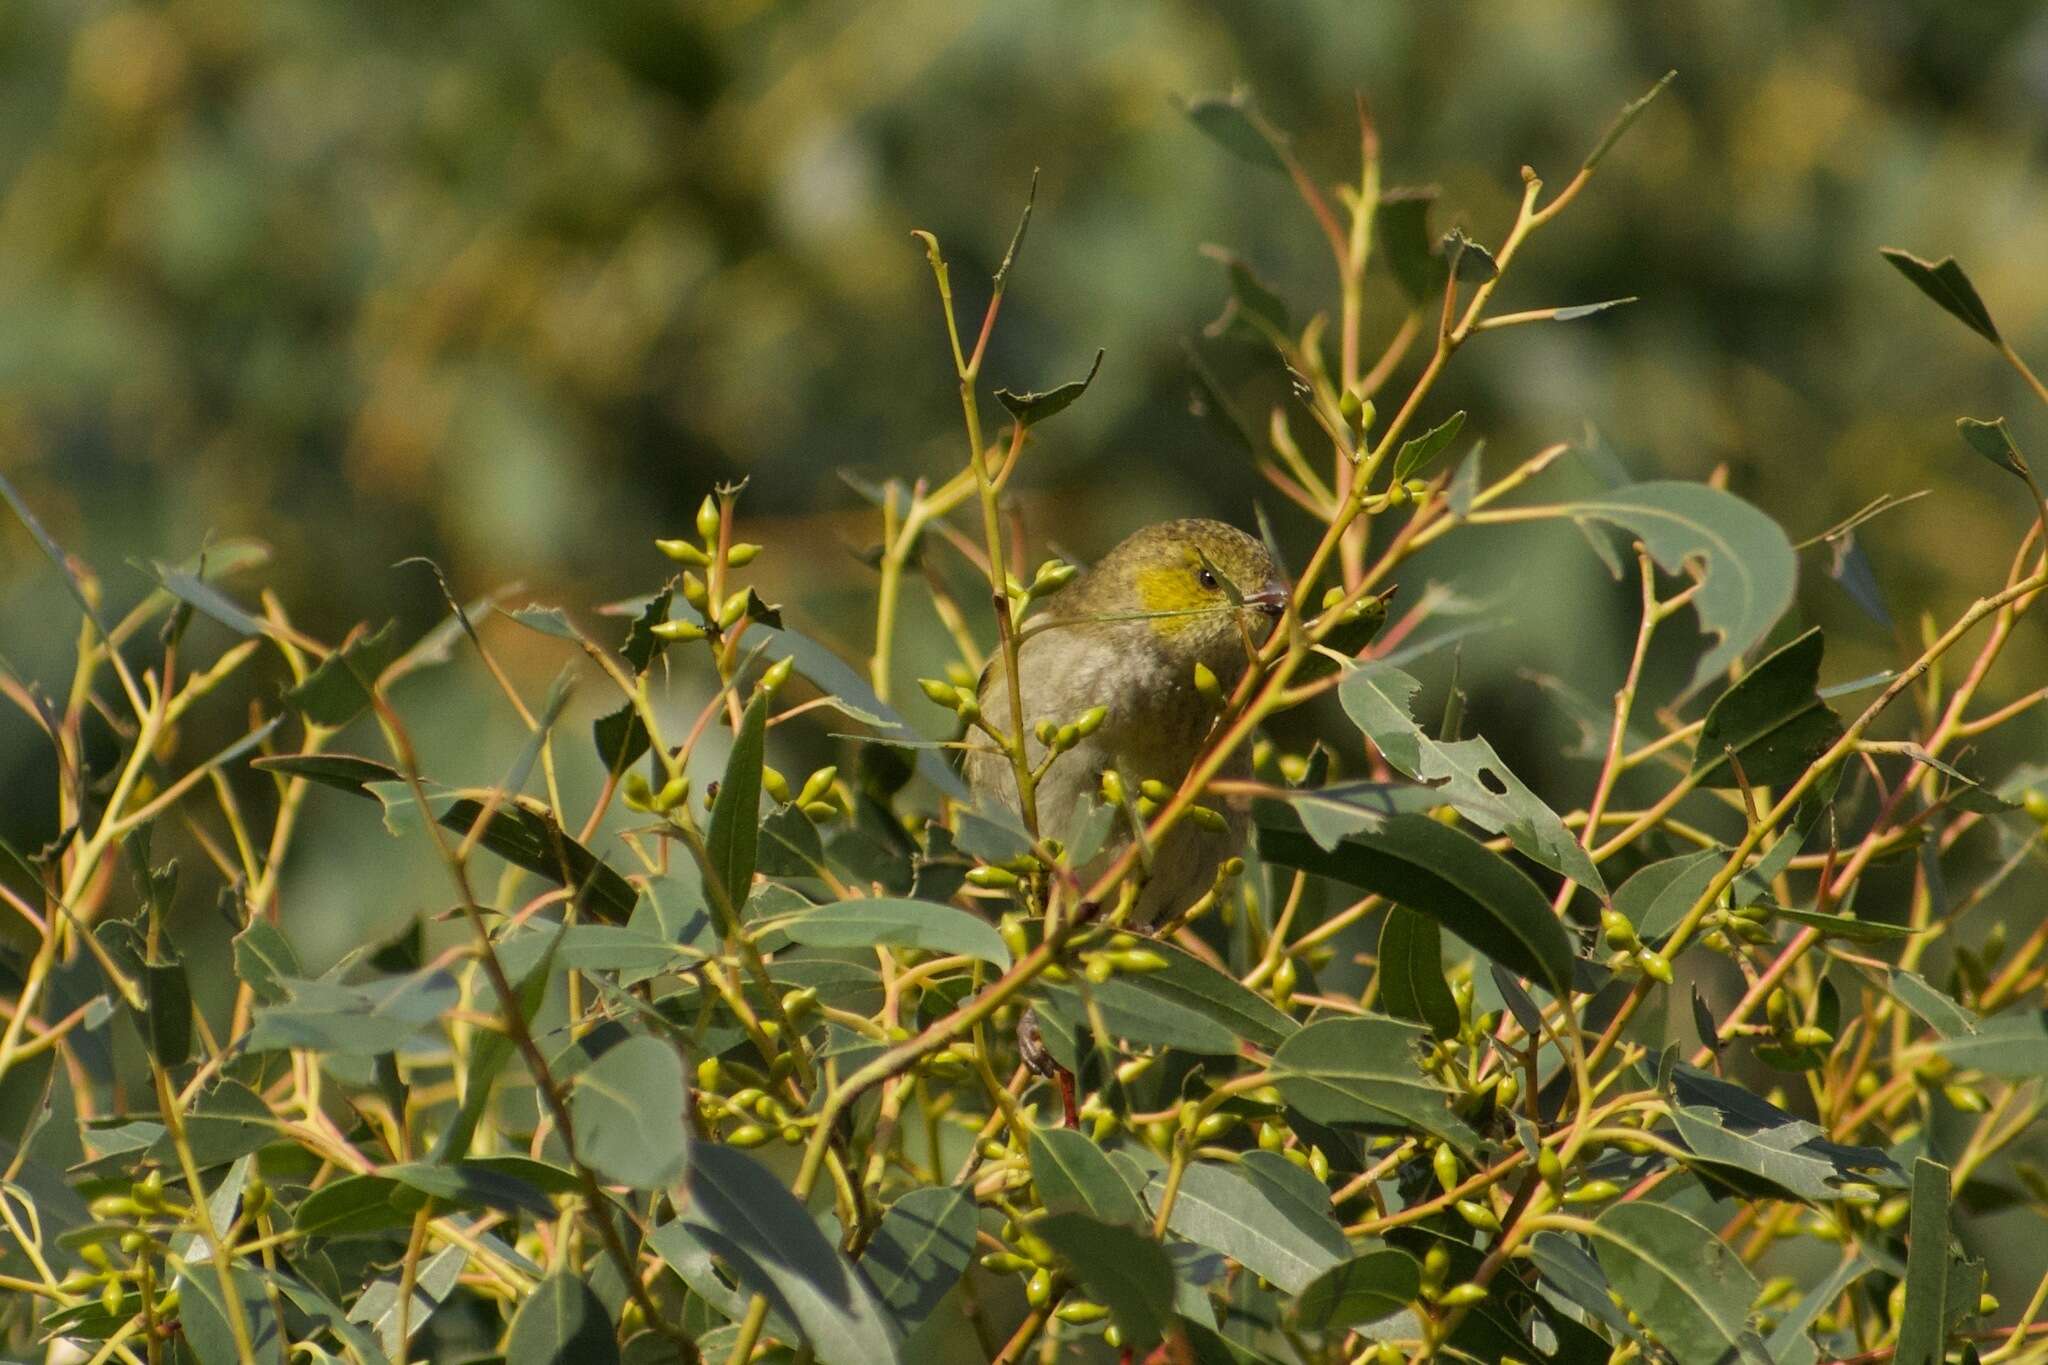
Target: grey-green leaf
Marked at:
1412, 982
1773, 718
747, 1217
204, 1317
1363, 1069
1256, 1218
1686, 1284
1750, 568
1073, 1175
1449, 876
920, 1251
898, 923
562, 1323
1923, 1325
736, 813
1125, 1271
1945, 283
1468, 773
1362, 1289
630, 1109
1656, 897
1994, 443
340, 688
2013, 1045
1230, 123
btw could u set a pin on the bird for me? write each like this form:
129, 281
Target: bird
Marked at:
1128, 635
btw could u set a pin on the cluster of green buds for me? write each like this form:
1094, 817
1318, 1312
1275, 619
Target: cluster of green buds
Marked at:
1056, 739
1051, 576
1436, 1268
1397, 495
1358, 414
1029, 1256
1121, 955
704, 553
1152, 796
1628, 951
756, 1114
641, 795
957, 697
819, 798
1734, 931
1785, 1024
122, 1250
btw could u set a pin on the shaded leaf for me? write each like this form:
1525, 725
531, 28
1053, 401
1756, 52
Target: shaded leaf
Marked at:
747, 1217
264, 958
1772, 717
1733, 1132
1411, 966
1994, 443
1362, 1289
1032, 408
380, 1015
340, 689
1125, 1271
203, 1317
643, 646
2013, 1045
736, 813
1939, 1010
1363, 1069
1945, 283
1656, 897
630, 1110
1401, 224
920, 1251
1449, 876
561, 1323
621, 737
1231, 124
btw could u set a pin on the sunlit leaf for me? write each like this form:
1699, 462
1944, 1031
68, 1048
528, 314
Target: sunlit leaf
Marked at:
1364, 1069
920, 1251
899, 924
1416, 455
630, 1109
1273, 1225
736, 814
1073, 1175
1125, 1271
1032, 408
1362, 1289
1923, 1326
1685, 1283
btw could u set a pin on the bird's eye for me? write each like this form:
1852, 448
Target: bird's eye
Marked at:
1207, 580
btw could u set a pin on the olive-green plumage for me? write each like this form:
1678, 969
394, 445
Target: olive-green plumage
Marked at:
1126, 635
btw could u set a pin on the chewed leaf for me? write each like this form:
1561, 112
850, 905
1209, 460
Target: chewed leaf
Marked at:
1749, 568
1945, 283
1032, 408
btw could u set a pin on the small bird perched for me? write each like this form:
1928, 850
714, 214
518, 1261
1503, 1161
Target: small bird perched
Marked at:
1128, 635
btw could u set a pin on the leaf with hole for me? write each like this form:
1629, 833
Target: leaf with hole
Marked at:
1466, 773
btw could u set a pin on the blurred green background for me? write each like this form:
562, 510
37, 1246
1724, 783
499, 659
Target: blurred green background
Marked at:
512, 284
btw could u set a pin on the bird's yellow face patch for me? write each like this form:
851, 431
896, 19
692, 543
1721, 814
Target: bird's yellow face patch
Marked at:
1177, 588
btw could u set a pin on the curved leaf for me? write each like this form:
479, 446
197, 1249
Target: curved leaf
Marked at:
630, 1110
562, 1323
736, 813
920, 1251
1363, 1289
1945, 283
1125, 1271
1749, 565
1449, 876
1685, 1283
1074, 1175
1273, 1224
1412, 982
898, 923
1773, 718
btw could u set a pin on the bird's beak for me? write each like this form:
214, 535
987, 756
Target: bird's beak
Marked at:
1270, 600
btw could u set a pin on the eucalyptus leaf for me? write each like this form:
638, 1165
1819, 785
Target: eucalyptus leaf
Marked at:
630, 1110
343, 686
1773, 718
1359, 1290
1364, 1069
919, 1252
1230, 122
1268, 1226
1411, 972
1416, 455
1029, 409
1073, 1175
562, 1323
898, 924
1945, 283
736, 813
1124, 1270
1923, 1325
1685, 1283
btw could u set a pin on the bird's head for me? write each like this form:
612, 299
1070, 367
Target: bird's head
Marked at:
1198, 586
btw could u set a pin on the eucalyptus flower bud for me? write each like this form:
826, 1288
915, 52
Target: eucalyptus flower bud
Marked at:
683, 551
707, 519
739, 556
1207, 685
679, 631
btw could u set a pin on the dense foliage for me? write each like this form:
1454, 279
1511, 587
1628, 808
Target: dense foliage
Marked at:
742, 1082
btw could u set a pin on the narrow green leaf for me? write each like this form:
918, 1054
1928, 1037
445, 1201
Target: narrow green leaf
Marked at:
1945, 283
1230, 122
380, 1015
1923, 1324
1265, 1223
1411, 963
1586, 310
747, 1217
1938, 1009
897, 923
1994, 443
1125, 1271
1364, 1069
736, 814
1467, 773
203, 1317
489, 1051
1418, 454
1772, 717
1451, 877
1029, 409
1685, 1283
630, 1109
2013, 1046
920, 1251
1845, 926
562, 1323
1359, 1290
1073, 1175
1749, 564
